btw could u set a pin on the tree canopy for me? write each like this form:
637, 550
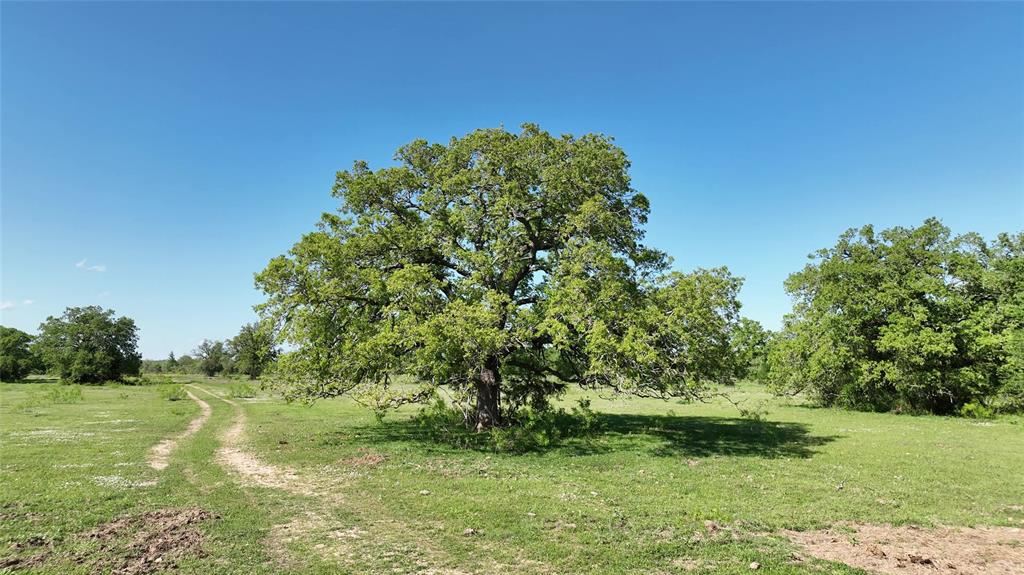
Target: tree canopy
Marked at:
253, 349
501, 267
212, 356
89, 345
910, 318
16, 357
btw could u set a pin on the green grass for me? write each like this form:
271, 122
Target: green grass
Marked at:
632, 498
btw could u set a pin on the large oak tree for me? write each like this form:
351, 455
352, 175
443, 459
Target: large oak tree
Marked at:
501, 267
89, 345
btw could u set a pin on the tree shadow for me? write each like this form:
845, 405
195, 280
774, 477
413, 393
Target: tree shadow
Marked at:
656, 435
706, 436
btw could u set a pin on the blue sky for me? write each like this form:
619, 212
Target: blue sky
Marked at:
156, 155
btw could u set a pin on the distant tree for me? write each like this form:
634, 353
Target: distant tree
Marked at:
501, 266
749, 342
911, 318
212, 356
172, 362
17, 360
230, 367
188, 364
152, 366
89, 345
253, 349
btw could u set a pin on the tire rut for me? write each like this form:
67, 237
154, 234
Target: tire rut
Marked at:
160, 454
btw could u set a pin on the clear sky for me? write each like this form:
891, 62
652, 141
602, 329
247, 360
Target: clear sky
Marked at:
156, 155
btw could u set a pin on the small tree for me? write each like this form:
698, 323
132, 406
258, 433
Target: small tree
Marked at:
17, 360
500, 266
211, 356
89, 345
253, 349
172, 362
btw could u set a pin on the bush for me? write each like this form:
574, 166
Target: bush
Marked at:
174, 393
147, 380
65, 394
1011, 398
526, 429
976, 411
242, 391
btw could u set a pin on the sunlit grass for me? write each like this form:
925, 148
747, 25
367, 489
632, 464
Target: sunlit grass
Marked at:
637, 496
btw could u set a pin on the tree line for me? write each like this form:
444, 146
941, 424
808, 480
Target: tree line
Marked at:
504, 267
91, 345
249, 353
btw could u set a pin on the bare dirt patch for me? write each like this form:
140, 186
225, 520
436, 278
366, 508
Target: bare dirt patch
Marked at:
160, 454
154, 541
910, 550
132, 544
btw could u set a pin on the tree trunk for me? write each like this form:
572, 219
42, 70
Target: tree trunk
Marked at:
488, 396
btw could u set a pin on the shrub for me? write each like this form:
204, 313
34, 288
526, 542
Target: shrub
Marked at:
976, 411
1011, 398
147, 380
65, 394
174, 393
527, 429
242, 391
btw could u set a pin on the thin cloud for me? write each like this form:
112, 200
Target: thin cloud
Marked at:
28, 302
95, 268
6, 304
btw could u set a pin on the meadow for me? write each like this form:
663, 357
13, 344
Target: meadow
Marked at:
257, 485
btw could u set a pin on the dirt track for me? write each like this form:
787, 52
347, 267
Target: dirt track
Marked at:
160, 454
246, 466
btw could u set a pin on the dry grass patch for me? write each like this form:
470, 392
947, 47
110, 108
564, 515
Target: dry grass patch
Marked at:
366, 458
402, 547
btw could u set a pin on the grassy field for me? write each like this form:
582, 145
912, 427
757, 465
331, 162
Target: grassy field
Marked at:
269, 487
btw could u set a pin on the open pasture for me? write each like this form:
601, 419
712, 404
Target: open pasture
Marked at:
257, 485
